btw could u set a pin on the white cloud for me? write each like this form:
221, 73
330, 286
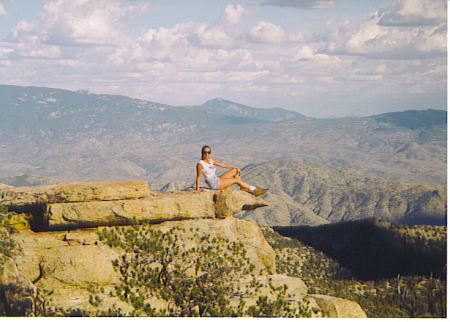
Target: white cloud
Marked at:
24, 32
219, 34
231, 16
414, 13
266, 33
5, 50
165, 41
35, 52
306, 4
72, 23
377, 39
215, 38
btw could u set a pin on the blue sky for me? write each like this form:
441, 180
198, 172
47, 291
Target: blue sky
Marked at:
317, 57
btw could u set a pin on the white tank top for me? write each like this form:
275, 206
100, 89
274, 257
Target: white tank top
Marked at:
209, 170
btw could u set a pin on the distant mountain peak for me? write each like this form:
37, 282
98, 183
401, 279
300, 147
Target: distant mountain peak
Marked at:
230, 108
218, 100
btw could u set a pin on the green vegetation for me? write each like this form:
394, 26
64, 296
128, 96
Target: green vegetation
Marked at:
190, 274
8, 223
374, 249
399, 296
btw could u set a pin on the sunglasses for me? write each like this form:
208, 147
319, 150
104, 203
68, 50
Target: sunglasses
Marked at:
207, 152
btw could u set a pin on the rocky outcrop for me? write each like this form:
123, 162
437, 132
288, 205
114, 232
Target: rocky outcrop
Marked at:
71, 267
66, 264
94, 204
155, 208
18, 294
73, 271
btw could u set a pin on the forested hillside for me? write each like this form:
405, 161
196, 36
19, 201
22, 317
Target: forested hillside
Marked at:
374, 249
365, 268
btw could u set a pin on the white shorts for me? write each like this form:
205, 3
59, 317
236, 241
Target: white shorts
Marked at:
213, 183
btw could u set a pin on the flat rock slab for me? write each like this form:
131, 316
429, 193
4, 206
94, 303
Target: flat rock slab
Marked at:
156, 208
75, 205
76, 192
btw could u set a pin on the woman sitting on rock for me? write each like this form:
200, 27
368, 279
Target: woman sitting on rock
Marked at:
207, 167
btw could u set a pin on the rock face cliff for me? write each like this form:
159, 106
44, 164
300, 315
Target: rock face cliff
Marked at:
93, 232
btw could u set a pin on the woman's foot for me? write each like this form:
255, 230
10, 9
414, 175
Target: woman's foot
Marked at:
257, 192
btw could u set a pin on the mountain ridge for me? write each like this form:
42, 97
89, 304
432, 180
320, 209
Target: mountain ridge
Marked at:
313, 194
73, 136
227, 107
414, 119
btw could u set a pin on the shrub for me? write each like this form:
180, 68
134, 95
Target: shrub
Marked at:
199, 279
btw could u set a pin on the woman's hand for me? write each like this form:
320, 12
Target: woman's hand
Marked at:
238, 171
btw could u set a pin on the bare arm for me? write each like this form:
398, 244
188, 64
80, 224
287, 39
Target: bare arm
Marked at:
199, 173
228, 166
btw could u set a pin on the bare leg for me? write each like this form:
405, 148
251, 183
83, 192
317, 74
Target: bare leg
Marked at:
229, 174
227, 182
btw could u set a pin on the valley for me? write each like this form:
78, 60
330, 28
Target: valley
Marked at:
421, 294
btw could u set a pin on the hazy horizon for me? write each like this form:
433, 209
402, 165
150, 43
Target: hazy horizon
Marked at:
225, 99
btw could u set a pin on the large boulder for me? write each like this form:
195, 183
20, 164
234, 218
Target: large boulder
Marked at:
335, 307
67, 267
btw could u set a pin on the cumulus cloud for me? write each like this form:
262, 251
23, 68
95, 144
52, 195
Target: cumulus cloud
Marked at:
414, 13
71, 23
168, 43
215, 38
266, 33
231, 16
219, 34
405, 30
305, 4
